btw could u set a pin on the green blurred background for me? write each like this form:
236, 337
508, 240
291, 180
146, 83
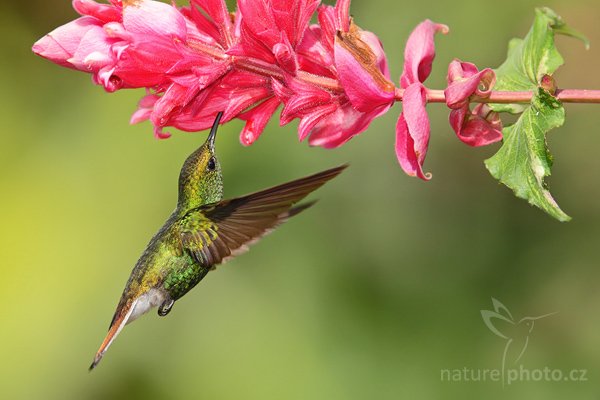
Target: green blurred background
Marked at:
368, 295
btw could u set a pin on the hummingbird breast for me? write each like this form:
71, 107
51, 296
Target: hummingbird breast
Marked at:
145, 302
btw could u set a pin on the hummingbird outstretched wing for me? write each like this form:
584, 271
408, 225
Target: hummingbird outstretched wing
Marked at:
213, 233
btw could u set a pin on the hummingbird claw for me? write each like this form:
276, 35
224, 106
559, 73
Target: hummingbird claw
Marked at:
165, 307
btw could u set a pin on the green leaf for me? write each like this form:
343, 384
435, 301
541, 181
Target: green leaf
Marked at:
559, 26
532, 57
524, 161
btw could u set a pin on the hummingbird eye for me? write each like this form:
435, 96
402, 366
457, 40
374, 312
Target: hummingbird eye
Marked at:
211, 164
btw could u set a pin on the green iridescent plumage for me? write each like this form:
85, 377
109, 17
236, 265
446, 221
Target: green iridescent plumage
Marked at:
201, 233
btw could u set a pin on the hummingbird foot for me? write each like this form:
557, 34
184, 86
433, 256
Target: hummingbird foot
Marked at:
165, 307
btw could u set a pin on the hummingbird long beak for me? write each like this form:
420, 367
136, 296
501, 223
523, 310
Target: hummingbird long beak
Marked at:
213, 131
114, 330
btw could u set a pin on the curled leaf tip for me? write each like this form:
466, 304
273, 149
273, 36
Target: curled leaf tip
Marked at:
561, 27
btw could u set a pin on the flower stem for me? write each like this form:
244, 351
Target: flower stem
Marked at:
578, 95
564, 95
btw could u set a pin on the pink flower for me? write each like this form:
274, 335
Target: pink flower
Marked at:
412, 129
198, 60
478, 127
342, 82
195, 61
144, 44
84, 44
363, 72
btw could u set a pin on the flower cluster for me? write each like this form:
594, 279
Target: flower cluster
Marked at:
198, 60
480, 126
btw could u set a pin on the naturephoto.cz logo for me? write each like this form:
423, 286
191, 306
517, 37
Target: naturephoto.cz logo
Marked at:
516, 334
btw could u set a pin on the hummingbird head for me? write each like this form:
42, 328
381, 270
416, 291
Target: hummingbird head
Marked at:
200, 180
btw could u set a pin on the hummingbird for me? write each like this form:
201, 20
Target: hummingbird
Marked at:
202, 232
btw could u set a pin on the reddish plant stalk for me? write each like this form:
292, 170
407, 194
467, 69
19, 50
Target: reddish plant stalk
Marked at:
564, 95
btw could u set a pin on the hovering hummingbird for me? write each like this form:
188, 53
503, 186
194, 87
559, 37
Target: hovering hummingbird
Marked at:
202, 232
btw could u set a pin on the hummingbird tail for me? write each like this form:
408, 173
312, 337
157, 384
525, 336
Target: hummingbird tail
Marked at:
299, 208
116, 326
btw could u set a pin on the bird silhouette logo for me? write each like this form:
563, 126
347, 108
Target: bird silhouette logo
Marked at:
516, 333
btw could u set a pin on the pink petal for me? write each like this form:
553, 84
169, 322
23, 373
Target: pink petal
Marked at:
201, 29
412, 132
94, 51
105, 77
150, 62
142, 50
117, 30
477, 128
256, 120
299, 97
217, 11
206, 75
154, 20
59, 45
364, 83
170, 104
283, 92
464, 80
103, 12
270, 30
143, 114
481, 126
377, 47
250, 46
233, 94
342, 10
340, 126
458, 70
334, 19
313, 56
293, 16
268, 19
312, 105
311, 119
191, 119
242, 99
145, 106
159, 133
328, 22
257, 17
186, 96
285, 55
420, 52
